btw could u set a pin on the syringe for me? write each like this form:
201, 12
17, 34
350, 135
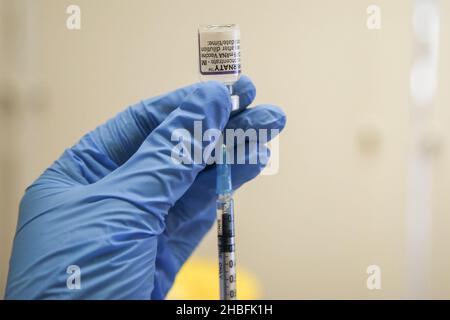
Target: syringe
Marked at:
220, 59
225, 229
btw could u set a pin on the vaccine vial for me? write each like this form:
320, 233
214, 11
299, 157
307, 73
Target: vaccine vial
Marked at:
219, 51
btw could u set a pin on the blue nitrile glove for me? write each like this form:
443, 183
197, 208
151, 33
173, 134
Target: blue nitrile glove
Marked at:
119, 208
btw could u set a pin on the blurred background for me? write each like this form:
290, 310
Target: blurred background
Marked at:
364, 167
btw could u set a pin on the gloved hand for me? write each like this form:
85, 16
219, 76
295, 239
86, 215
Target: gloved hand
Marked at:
117, 206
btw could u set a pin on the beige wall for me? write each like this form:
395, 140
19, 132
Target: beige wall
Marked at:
334, 208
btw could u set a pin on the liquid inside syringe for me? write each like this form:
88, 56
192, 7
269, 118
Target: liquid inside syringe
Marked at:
225, 230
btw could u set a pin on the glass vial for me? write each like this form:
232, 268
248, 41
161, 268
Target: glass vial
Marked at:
219, 53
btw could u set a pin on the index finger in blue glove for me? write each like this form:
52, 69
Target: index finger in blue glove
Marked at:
113, 143
153, 165
132, 126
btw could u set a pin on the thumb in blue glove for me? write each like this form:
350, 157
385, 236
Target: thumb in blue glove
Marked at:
117, 206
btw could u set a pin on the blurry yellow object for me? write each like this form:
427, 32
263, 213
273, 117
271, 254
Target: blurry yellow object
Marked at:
198, 279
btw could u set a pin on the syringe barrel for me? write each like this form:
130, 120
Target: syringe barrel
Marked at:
226, 247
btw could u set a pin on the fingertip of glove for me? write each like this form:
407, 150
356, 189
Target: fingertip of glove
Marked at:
212, 101
246, 91
215, 88
278, 114
217, 93
281, 116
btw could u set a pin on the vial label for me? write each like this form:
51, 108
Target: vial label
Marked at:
219, 53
